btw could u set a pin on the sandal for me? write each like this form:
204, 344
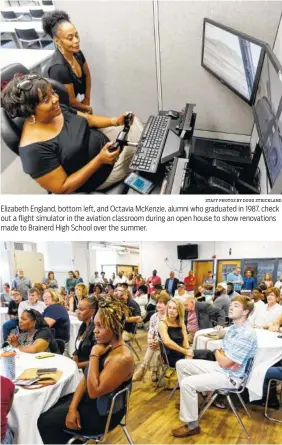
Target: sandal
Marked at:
219, 405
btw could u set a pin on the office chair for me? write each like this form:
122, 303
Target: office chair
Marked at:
121, 398
28, 36
267, 399
10, 16
227, 391
61, 345
36, 14
12, 128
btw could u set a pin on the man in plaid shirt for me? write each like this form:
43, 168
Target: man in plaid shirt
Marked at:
238, 346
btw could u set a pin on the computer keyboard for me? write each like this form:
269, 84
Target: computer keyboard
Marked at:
151, 144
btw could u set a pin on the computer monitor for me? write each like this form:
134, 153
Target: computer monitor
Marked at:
268, 114
232, 57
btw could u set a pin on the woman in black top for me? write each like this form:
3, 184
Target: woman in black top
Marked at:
87, 309
68, 64
59, 147
110, 369
173, 333
35, 334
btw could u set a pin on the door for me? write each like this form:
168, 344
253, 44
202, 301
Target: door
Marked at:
201, 269
260, 268
224, 267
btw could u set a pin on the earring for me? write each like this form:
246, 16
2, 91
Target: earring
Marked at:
33, 120
60, 48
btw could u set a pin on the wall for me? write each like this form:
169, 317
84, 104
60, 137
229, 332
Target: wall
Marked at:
153, 255
117, 40
183, 78
110, 257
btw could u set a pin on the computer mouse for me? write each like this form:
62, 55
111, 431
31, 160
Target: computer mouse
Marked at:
173, 114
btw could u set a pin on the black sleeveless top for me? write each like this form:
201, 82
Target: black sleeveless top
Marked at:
58, 68
176, 335
72, 148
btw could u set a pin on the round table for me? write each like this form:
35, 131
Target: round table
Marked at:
268, 353
4, 317
74, 328
29, 404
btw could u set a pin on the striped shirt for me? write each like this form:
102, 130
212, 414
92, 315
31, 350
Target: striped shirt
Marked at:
239, 345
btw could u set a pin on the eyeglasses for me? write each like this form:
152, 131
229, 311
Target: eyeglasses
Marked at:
27, 83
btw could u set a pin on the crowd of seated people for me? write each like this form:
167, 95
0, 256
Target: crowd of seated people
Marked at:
112, 309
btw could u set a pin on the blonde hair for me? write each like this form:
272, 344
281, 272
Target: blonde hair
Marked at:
180, 310
84, 288
55, 296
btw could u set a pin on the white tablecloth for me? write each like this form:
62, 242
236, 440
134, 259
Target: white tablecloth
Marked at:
74, 328
29, 404
4, 317
269, 352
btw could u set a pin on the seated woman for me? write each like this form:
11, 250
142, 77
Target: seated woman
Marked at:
56, 315
81, 291
270, 312
110, 369
36, 336
173, 333
181, 293
51, 281
68, 65
152, 353
60, 148
86, 311
98, 291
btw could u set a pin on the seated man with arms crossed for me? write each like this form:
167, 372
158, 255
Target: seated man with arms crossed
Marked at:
239, 344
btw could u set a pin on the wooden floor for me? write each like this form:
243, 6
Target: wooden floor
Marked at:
150, 422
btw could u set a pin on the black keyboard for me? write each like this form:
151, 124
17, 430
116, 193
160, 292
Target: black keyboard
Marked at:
151, 144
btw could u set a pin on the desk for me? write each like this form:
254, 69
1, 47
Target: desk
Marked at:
74, 328
25, 9
269, 352
29, 404
32, 59
9, 27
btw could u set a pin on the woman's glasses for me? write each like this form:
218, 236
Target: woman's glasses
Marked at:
27, 83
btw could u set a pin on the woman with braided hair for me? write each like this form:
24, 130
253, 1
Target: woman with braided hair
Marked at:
110, 369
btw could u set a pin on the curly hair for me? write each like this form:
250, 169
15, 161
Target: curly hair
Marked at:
20, 103
37, 318
52, 20
113, 315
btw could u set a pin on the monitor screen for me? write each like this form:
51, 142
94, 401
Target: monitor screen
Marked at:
268, 114
187, 252
233, 57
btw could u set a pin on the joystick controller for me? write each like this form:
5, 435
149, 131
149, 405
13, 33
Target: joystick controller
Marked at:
121, 140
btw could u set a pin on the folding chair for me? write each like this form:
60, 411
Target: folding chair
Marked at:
227, 391
267, 399
123, 398
134, 339
165, 367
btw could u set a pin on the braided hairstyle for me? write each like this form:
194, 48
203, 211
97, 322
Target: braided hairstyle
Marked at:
112, 315
52, 20
20, 103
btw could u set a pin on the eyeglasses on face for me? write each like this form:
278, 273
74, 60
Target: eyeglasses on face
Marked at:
27, 83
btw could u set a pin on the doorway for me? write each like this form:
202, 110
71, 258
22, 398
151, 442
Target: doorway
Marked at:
201, 269
224, 267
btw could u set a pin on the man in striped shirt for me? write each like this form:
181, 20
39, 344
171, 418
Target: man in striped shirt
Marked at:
238, 346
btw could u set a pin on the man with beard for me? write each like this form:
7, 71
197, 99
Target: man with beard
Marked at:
230, 290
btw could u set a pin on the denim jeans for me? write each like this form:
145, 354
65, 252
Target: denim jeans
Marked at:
275, 372
8, 439
8, 326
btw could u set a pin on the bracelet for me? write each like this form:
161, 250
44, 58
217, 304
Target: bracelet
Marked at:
114, 121
94, 355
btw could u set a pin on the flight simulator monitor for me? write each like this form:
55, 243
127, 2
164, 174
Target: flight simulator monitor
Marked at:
268, 115
232, 57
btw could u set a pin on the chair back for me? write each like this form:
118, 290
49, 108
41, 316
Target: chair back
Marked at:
9, 15
11, 128
27, 35
47, 2
120, 399
36, 13
164, 353
61, 345
248, 370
